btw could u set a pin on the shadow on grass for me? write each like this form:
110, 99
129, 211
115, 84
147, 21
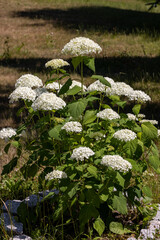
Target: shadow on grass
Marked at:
98, 18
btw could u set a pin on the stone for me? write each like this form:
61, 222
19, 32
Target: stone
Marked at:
21, 237
131, 238
10, 224
11, 206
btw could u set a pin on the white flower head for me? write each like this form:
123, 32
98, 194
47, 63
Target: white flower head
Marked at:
125, 135
116, 162
121, 89
139, 96
131, 116
48, 101
29, 80
81, 46
24, 93
108, 114
72, 127
158, 132
141, 115
81, 153
53, 86
6, 133
55, 174
100, 87
76, 83
154, 122
56, 63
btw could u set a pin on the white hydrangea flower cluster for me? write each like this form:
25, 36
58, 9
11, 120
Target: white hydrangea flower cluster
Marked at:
76, 83
81, 46
125, 135
29, 80
56, 63
131, 116
55, 174
139, 96
6, 133
24, 93
48, 101
54, 86
154, 122
108, 114
81, 153
116, 162
121, 89
72, 127
39, 91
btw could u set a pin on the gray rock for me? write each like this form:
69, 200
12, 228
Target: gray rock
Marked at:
21, 237
33, 200
11, 206
131, 238
10, 224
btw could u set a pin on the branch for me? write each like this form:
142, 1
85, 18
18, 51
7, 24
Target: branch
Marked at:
153, 4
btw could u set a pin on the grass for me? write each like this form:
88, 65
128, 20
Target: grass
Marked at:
34, 31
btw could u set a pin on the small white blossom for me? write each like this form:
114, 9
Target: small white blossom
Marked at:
6, 133
154, 122
24, 93
140, 115
100, 87
76, 83
116, 162
29, 80
158, 132
125, 135
48, 101
56, 63
139, 96
53, 86
81, 46
108, 114
72, 127
131, 116
56, 174
81, 153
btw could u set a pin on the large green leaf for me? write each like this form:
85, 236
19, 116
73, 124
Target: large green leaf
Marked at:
154, 157
149, 132
136, 109
77, 108
76, 61
89, 62
74, 90
89, 117
9, 167
54, 132
101, 79
120, 204
99, 226
130, 147
117, 227
65, 87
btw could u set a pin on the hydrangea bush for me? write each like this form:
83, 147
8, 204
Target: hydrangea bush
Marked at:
78, 144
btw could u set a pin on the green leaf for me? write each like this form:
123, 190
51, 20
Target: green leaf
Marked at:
117, 227
101, 79
130, 147
89, 62
149, 132
120, 203
147, 191
50, 195
120, 179
73, 191
121, 104
51, 80
55, 132
9, 167
65, 87
77, 108
136, 109
89, 117
154, 157
87, 212
92, 197
99, 226
15, 144
92, 170
76, 61
73, 90
6, 149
